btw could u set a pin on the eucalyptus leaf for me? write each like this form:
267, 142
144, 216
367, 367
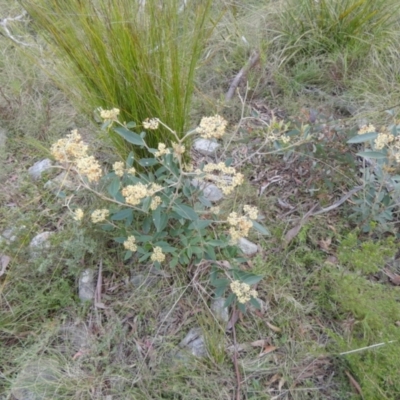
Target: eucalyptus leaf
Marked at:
260, 228
372, 154
130, 136
366, 137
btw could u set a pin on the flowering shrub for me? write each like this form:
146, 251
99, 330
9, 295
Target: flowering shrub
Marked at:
158, 214
377, 203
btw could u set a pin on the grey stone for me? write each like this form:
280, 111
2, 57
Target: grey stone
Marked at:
206, 147
37, 380
143, 280
40, 242
220, 312
248, 248
3, 139
39, 167
210, 191
193, 343
86, 285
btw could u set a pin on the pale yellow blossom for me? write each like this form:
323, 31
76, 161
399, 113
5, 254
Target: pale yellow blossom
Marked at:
78, 214
179, 149
100, 215
155, 202
130, 243
243, 291
383, 139
89, 167
251, 211
154, 188
157, 255
110, 115
212, 127
119, 168
69, 148
151, 123
135, 193
240, 225
132, 171
366, 129
162, 149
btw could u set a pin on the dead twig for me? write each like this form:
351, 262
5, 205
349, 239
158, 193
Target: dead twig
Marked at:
235, 361
241, 75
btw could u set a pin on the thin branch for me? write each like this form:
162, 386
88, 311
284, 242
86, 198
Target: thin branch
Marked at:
242, 75
366, 348
4, 22
235, 361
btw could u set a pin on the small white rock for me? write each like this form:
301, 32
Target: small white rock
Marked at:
39, 167
40, 242
248, 248
86, 285
220, 312
210, 191
205, 146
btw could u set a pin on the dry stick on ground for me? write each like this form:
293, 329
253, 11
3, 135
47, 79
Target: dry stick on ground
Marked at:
235, 361
242, 75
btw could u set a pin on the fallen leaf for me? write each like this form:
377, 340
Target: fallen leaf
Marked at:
281, 383
273, 327
290, 235
4, 261
268, 349
394, 278
355, 384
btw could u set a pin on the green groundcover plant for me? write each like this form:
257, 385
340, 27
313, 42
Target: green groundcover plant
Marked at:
377, 204
139, 55
160, 214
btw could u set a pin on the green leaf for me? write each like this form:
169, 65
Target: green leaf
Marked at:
261, 229
366, 137
113, 187
131, 124
174, 262
219, 291
372, 154
130, 136
128, 255
157, 218
218, 243
148, 162
185, 212
230, 299
241, 307
200, 224
220, 282
254, 302
130, 159
246, 277
147, 224
123, 214
166, 247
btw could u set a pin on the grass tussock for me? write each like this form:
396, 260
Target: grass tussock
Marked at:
140, 57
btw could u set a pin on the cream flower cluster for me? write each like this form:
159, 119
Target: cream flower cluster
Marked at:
155, 202
179, 149
212, 127
130, 243
100, 215
226, 178
110, 115
119, 169
162, 149
383, 139
72, 150
151, 123
366, 129
78, 214
157, 255
134, 194
241, 225
243, 291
